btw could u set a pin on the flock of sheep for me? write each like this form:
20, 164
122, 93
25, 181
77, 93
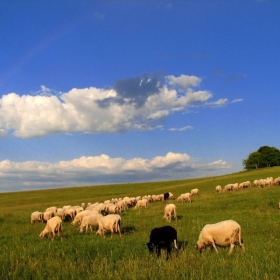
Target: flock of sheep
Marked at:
106, 216
261, 183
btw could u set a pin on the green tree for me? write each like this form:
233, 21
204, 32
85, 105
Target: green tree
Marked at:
253, 161
265, 156
270, 156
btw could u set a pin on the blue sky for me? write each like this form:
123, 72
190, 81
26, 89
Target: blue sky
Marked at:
98, 92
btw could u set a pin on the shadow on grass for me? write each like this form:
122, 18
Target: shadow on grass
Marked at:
128, 230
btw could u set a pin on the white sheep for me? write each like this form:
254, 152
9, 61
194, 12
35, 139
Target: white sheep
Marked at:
110, 222
53, 226
185, 197
60, 213
90, 221
53, 209
169, 210
78, 218
142, 203
70, 212
112, 209
36, 216
218, 189
194, 192
47, 215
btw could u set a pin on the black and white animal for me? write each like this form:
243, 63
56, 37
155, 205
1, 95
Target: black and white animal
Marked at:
166, 196
163, 237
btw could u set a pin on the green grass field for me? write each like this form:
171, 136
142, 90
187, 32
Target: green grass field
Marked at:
88, 256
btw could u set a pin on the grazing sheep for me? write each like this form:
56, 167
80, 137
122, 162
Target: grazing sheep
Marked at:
78, 209
194, 192
113, 209
166, 196
110, 222
70, 212
60, 213
90, 221
78, 218
245, 185
163, 237
218, 189
47, 215
66, 207
223, 233
36, 216
54, 225
142, 203
171, 196
185, 197
53, 209
228, 188
235, 187
169, 210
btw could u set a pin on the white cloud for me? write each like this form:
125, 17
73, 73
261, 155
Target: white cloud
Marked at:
181, 129
218, 164
184, 81
2, 132
218, 103
98, 169
237, 100
93, 110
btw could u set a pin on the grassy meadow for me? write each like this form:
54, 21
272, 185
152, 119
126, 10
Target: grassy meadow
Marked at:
88, 256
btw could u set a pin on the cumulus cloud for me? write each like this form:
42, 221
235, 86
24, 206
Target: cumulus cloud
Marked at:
100, 169
131, 104
183, 81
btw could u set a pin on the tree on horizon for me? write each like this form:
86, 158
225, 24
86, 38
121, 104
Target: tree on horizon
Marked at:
265, 156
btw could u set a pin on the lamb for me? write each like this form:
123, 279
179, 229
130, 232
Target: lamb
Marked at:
163, 237
223, 233
110, 222
54, 225
36, 216
169, 210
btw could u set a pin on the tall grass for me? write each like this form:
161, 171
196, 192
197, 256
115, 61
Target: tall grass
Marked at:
88, 256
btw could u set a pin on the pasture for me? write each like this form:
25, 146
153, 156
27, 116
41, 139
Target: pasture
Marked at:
88, 256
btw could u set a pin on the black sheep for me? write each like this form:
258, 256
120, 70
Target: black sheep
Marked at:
166, 196
163, 237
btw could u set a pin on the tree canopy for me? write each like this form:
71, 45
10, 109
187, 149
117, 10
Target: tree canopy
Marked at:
265, 156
